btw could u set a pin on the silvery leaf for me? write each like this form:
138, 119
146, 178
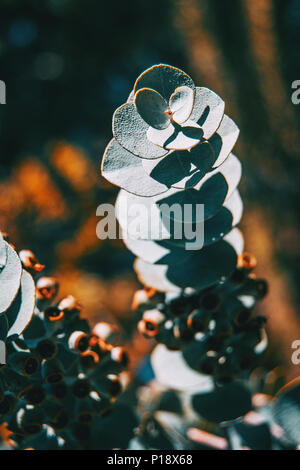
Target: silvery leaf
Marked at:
3, 254
10, 278
130, 98
175, 136
286, 410
152, 107
208, 265
231, 169
224, 140
224, 403
211, 192
21, 310
157, 252
126, 170
154, 275
181, 169
200, 270
219, 225
172, 371
181, 103
208, 111
130, 130
164, 79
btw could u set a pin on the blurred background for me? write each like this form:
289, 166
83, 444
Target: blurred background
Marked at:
68, 64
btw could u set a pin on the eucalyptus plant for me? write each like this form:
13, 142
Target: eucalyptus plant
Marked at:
61, 380
172, 146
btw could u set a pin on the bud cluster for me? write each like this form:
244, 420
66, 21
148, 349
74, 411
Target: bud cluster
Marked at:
215, 328
61, 379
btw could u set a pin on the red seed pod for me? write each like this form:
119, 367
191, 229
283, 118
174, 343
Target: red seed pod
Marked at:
8, 403
24, 363
81, 388
89, 359
46, 288
36, 395
53, 314
105, 331
149, 331
46, 349
69, 304
30, 419
150, 324
78, 341
146, 298
242, 316
30, 262
118, 354
113, 385
52, 371
139, 298
246, 261
150, 292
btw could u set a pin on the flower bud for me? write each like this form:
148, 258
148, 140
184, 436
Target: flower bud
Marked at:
35, 395
81, 388
24, 363
78, 341
46, 288
8, 403
52, 371
46, 349
30, 262
30, 419
105, 331
69, 304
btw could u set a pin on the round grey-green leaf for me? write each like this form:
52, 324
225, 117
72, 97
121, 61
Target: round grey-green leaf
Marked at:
130, 130
126, 170
220, 224
164, 79
208, 265
181, 169
208, 111
152, 107
286, 410
20, 312
10, 278
3, 254
157, 252
175, 136
224, 403
211, 192
172, 371
181, 103
224, 140
154, 275
202, 269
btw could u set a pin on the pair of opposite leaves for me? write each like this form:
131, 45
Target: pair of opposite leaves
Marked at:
157, 167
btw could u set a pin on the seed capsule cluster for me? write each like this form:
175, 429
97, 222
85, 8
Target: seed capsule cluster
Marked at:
216, 328
61, 379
